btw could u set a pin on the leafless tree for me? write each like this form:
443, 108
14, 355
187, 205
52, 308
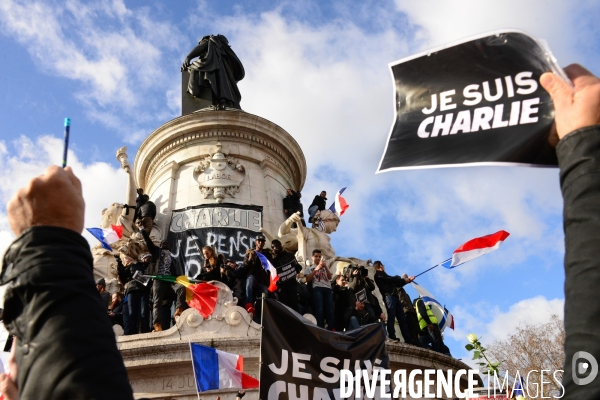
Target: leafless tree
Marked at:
534, 348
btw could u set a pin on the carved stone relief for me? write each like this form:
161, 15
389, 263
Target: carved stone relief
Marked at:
219, 175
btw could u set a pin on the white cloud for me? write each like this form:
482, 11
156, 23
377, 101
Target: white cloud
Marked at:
491, 324
102, 184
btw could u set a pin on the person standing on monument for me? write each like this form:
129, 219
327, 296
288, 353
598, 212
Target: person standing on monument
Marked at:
101, 287
318, 204
145, 211
409, 310
340, 301
287, 292
291, 205
255, 275
319, 274
166, 266
137, 294
388, 288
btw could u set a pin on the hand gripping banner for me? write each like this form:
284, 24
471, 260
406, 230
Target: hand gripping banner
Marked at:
302, 361
478, 102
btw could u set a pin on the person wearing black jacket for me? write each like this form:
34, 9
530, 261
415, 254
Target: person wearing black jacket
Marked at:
577, 119
318, 204
145, 211
358, 316
65, 347
340, 302
137, 294
359, 281
252, 271
388, 288
166, 266
287, 269
213, 263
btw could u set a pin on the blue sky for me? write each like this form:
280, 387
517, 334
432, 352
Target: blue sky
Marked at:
319, 70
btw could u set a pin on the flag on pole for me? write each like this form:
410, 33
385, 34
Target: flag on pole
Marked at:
475, 248
445, 319
107, 236
273, 277
216, 369
201, 296
339, 206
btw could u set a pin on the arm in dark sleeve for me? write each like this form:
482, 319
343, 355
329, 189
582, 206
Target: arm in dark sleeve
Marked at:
423, 312
152, 248
579, 160
66, 347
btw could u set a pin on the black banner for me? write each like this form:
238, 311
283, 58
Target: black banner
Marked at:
478, 102
229, 228
303, 361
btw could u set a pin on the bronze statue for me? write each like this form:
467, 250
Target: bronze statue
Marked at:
217, 68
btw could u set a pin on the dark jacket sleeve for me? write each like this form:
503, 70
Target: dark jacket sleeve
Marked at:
579, 162
66, 347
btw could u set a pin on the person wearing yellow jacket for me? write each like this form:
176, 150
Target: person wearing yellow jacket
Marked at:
430, 335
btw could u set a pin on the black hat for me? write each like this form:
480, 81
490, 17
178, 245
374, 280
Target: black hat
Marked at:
101, 281
261, 237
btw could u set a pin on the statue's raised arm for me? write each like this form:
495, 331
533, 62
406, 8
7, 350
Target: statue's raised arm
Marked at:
217, 68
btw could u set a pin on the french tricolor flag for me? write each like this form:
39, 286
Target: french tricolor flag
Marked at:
475, 248
339, 206
107, 236
216, 369
271, 270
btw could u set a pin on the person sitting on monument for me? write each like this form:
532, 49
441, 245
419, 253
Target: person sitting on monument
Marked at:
115, 309
340, 300
213, 263
137, 294
358, 316
430, 334
359, 286
166, 266
319, 275
145, 211
388, 288
252, 271
101, 287
318, 204
287, 292
291, 204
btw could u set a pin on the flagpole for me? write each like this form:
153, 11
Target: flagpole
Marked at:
194, 368
435, 266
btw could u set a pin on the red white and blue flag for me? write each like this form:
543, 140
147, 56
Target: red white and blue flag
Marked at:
339, 206
216, 369
475, 248
107, 236
273, 277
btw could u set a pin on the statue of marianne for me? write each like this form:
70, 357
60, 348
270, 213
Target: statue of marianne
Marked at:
217, 68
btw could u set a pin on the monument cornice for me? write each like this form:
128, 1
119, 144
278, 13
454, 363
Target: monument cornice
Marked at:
227, 125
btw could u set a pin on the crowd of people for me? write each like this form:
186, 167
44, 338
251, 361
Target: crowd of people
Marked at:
338, 302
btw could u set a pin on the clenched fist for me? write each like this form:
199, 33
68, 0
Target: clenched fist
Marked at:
52, 199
